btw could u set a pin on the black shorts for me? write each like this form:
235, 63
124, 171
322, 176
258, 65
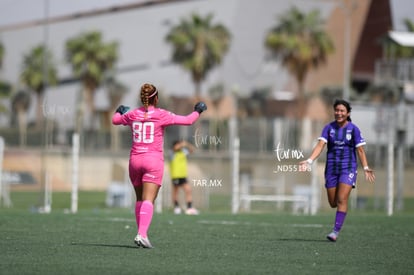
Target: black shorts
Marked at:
179, 181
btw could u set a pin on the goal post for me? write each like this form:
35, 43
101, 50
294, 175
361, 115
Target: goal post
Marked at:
75, 173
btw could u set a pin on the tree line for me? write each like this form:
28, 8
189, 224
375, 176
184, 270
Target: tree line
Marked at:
297, 40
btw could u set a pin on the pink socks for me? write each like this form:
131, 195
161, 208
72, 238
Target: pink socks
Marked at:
144, 217
137, 209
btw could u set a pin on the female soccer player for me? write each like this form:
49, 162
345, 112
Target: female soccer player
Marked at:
344, 142
146, 162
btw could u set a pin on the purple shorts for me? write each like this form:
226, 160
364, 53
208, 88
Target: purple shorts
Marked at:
146, 168
332, 180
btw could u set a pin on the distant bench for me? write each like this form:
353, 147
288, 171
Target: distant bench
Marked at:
301, 196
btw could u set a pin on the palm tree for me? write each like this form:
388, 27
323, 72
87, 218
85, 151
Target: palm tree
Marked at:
90, 58
5, 91
20, 105
301, 44
198, 46
5, 87
409, 24
35, 64
2, 50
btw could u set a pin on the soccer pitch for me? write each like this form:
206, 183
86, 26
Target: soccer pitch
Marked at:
100, 241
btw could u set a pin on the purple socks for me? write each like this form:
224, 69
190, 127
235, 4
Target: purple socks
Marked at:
339, 220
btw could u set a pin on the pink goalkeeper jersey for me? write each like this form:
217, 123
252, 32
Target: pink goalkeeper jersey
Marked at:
148, 132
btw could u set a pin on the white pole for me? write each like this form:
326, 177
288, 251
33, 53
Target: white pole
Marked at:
234, 148
75, 172
4, 187
390, 181
235, 175
390, 167
48, 194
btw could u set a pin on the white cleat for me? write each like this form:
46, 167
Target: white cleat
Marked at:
332, 236
144, 242
192, 211
136, 240
177, 210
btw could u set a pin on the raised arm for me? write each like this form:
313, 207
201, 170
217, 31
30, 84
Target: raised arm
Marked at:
117, 117
191, 118
186, 120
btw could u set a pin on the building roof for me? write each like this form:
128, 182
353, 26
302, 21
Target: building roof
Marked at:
405, 39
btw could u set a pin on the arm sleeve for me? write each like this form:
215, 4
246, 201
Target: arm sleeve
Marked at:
359, 140
118, 119
325, 134
184, 120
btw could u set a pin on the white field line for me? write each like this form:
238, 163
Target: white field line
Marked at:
224, 222
258, 224
121, 220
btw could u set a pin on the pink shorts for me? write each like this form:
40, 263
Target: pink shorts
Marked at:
146, 168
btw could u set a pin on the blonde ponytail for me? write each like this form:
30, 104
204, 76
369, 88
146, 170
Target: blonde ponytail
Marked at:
148, 94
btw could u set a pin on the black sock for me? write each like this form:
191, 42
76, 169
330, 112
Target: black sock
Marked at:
189, 204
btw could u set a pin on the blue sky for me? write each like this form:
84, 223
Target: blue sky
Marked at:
19, 11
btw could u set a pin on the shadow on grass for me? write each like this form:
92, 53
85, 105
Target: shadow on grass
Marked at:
105, 245
303, 240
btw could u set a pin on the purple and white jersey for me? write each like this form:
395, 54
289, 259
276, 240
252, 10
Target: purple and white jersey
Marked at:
341, 143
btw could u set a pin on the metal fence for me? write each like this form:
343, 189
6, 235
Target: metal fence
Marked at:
257, 135
211, 165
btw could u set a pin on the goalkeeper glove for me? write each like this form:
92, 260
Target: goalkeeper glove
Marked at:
200, 107
122, 109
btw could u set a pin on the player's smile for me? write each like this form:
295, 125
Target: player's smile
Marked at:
341, 114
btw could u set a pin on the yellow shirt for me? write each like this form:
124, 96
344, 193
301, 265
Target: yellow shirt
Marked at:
178, 165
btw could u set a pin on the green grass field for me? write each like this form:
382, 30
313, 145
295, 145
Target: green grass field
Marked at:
98, 240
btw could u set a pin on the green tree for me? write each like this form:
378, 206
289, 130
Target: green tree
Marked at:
5, 87
198, 46
301, 43
90, 59
5, 91
2, 51
20, 105
35, 64
409, 24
